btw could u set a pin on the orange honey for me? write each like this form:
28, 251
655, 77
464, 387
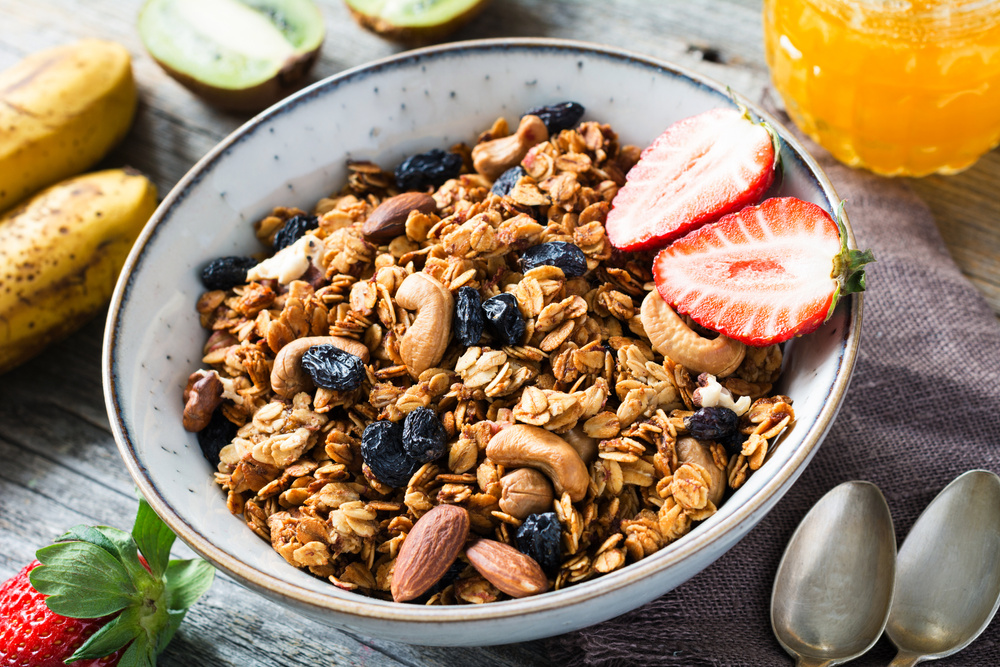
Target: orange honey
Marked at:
897, 87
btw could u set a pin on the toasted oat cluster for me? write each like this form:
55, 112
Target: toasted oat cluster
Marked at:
447, 395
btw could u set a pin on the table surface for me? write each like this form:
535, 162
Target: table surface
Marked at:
62, 466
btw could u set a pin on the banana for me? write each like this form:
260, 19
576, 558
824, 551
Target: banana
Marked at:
60, 255
61, 110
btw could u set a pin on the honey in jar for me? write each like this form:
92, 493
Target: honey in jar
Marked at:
898, 87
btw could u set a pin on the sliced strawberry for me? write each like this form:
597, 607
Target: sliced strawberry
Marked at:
698, 170
764, 274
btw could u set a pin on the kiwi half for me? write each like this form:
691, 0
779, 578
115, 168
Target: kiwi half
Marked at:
238, 55
414, 21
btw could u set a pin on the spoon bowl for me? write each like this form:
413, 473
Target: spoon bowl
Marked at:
834, 585
947, 573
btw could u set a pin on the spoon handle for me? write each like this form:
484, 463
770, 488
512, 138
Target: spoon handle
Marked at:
903, 659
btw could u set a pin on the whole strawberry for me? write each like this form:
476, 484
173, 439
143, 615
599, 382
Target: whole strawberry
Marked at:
93, 600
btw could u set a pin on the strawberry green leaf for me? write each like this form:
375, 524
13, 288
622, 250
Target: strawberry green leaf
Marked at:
173, 622
153, 537
119, 631
91, 534
82, 580
186, 581
139, 654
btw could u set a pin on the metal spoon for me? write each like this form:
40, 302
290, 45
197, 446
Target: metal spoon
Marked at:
948, 574
833, 589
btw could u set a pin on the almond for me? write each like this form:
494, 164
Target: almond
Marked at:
513, 572
388, 220
429, 550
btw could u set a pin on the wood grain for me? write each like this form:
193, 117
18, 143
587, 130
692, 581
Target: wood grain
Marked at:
60, 464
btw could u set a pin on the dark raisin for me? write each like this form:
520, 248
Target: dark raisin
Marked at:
565, 255
332, 368
507, 180
432, 168
503, 318
294, 229
712, 423
382, 450
424, 437
558, 117
219, 433
540, 536
468, 316
226, 272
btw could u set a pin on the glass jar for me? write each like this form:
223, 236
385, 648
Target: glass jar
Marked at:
897, 87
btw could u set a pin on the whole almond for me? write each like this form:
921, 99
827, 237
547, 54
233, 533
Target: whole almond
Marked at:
513, 572
429, 550
388, 220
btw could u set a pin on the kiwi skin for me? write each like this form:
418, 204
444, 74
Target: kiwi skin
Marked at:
416, 36
285, 81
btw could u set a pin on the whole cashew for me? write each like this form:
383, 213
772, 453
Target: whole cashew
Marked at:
425, 341
694, 451
202, 396
531, 446
287, 376
525, 491
492, 158
672, 338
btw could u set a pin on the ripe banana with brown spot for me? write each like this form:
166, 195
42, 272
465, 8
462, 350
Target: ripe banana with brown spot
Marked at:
60, 255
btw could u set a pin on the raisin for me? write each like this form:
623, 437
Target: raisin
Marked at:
540, 536
565, 255
382, 450
507, 180
558, 117
503, 318
331, 368
226, 272
432, 168
712, 424
294, 229
468, 316
424, 437
219, 433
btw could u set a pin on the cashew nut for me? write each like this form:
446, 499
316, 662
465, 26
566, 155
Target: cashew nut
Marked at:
672, 338
525, 491
584, 445
287, 376
426, 339
492, 158
531, 446
202, 396
690, 450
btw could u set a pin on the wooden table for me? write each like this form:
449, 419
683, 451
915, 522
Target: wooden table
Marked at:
61, 466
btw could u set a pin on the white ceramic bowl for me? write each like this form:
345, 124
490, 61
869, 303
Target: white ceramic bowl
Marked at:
295, 153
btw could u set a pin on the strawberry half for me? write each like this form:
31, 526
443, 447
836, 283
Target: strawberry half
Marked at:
698, 170
764, 274
93, 600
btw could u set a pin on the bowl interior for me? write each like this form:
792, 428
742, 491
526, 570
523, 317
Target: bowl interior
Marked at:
296, 153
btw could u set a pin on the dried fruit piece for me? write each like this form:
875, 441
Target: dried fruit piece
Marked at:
712, 423
698, 170
424, 437
226, 272
764, 274
558, 117
468, 316
503, 318
540, 537
383, 452
507, 180
331, 368
566, 256
240, 55
430, 169
219, 433
294, 229
429, 550
414, 21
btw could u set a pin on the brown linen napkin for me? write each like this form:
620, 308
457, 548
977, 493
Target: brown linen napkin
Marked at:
923, 407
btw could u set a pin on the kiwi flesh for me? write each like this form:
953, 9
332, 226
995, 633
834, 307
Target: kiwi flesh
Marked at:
414, 21
237, 55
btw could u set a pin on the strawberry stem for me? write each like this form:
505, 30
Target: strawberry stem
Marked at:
848, 265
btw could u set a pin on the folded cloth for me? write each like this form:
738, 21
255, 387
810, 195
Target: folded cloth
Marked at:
923, 407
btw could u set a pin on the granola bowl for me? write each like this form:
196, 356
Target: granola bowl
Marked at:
300, 484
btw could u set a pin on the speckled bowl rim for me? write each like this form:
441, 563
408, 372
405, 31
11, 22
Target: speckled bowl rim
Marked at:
366, 607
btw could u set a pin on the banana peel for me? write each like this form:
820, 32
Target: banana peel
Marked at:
60, 256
